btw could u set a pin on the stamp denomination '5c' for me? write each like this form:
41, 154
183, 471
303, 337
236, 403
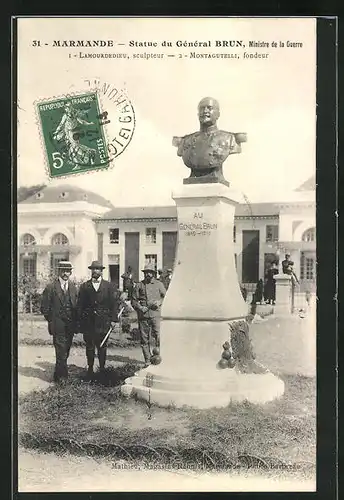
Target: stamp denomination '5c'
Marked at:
73, 134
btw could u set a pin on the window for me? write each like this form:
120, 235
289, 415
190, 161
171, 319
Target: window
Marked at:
28, 239
59, 239
271, 233
114, 235
309, 235
29, 266
307, 267
150, 235
234, 234
151, 259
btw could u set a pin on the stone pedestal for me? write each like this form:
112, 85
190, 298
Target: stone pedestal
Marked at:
283, 295
202, 303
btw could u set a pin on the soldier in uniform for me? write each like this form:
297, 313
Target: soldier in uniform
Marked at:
98, 308
58, 307
147, 300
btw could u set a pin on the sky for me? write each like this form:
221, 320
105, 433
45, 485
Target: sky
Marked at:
273, 100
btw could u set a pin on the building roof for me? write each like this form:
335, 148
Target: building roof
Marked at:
67, 193
166, 212
170, 212
308, 185
257, 210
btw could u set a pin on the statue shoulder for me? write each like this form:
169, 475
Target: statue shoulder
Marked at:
237, 137
177, 141
191, 136
225, 134
184, 143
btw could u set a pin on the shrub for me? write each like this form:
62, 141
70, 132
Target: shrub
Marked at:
126, 326
28, 288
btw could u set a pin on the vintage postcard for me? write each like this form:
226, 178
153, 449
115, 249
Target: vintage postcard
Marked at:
166, 254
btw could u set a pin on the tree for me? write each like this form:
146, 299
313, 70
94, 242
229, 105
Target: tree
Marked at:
28, 287
24, 192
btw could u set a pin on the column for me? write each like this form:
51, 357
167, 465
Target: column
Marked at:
283, 295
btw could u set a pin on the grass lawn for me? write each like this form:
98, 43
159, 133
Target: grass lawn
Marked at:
94, 419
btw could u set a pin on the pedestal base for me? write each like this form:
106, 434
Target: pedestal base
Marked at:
283, 304
204, 311
205, 179
217, 390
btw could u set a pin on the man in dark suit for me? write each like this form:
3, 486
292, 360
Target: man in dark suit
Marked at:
58, 307
98, 308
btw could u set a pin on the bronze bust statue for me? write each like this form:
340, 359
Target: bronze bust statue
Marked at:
205, 151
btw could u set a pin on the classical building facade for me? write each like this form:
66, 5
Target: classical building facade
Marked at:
81, 226
57, 224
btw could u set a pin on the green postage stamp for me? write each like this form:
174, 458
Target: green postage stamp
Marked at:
73, 134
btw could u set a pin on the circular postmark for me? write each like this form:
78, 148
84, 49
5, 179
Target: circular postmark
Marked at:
118, 115
85, 131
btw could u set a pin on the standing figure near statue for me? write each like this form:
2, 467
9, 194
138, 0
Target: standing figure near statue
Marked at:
98, 307
147, 299
287, 268
58, 307
160, 275
259, 293
205, 151
270, 284
166, 278
128, 282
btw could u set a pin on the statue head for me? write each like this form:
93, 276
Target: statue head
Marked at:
208, 111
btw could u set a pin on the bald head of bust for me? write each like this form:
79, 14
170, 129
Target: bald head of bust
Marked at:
208, 112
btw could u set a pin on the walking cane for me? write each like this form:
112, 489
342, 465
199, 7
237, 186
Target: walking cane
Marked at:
110, 329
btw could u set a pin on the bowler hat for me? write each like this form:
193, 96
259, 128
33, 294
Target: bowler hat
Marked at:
149, 267
65, 264
96, 265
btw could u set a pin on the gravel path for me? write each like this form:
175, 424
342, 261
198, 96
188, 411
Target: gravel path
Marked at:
36, 364
43, 472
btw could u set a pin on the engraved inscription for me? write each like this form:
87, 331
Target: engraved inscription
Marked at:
197, 228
